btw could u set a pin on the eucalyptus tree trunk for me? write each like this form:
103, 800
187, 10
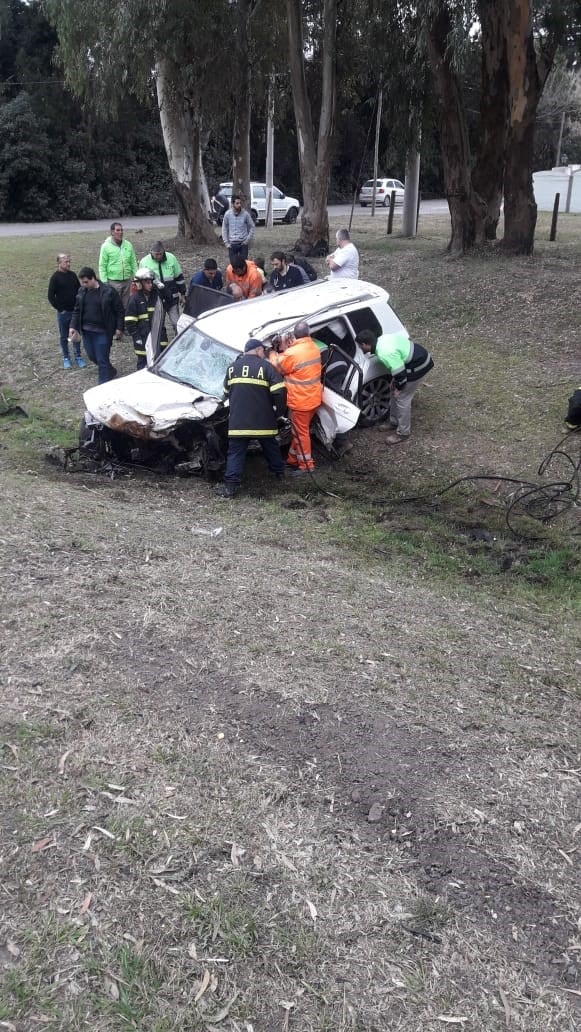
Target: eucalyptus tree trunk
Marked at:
242, 107
181, 129
527, 74
465, 213
314, 158
488, 172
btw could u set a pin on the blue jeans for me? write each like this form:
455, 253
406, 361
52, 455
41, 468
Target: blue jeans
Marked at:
237, 447
98, 348
64, 322
237, 250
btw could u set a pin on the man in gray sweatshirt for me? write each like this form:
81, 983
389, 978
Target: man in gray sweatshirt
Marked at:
237, 229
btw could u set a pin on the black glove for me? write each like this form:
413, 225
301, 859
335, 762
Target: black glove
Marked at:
284, 424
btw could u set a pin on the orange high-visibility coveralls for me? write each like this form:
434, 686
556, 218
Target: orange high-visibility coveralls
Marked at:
250, 283
300, 365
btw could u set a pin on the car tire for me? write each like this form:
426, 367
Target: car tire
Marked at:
374, 401
363, 204
254, 215
291, 216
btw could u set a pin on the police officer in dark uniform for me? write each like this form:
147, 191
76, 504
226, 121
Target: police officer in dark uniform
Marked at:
257, 396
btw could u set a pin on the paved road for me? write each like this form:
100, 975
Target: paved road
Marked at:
169, 222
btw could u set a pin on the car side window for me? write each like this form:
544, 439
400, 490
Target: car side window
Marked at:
399, 185
277, 194
259, 192
364, 319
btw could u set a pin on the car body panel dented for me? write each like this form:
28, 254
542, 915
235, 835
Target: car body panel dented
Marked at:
146, 406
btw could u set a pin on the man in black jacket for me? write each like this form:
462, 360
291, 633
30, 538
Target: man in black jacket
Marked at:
257, 396
63, 288
283, 275
98, 315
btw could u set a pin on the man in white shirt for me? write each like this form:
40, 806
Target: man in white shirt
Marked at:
344, 262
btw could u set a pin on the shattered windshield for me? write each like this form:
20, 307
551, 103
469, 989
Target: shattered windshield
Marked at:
198, 361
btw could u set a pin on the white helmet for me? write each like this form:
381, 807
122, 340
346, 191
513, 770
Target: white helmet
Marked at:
144, 274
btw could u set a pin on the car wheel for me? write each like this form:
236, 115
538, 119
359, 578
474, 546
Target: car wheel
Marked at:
374, 401
363, 204
254, 214
291, 216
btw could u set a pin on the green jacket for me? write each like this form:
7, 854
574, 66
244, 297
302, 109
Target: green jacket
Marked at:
168, 271
405, 360
394, 350
117, 262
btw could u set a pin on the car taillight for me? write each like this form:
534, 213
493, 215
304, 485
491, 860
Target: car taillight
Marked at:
381, 190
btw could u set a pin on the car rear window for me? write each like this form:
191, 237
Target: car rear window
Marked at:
198, 361
369, 184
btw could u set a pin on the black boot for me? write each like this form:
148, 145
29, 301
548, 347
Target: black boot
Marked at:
225, 490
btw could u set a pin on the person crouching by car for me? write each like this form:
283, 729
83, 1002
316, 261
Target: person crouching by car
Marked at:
209, 277
408, 363
257, 398
140, 313
246, 276
97, 316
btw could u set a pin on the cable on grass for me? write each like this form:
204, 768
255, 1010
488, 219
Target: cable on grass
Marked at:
539, 501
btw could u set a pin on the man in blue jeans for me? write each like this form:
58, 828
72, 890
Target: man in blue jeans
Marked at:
99, 316
63, 288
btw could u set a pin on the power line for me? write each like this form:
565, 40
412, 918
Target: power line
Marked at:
35, 82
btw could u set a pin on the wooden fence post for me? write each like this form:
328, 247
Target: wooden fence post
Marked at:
553, 235
391, 211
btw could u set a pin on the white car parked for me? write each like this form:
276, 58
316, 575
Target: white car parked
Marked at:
174, 410
383, 190
284, 209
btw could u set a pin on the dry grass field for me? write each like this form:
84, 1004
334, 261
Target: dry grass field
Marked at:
304, 762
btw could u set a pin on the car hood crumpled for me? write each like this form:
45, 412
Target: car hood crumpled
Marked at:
146, 405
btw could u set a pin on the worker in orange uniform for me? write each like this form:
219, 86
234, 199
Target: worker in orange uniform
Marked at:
246, 276
299, 361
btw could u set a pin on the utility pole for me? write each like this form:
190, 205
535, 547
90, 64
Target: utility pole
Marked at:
376, 152
560, 143
268, 222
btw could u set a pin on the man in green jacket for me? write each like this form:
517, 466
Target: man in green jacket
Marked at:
407, 363
117, 262
167, 270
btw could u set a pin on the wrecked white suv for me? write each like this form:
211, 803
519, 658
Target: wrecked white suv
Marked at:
172, 415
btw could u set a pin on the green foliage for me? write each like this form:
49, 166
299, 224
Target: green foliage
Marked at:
58, 159
25, 160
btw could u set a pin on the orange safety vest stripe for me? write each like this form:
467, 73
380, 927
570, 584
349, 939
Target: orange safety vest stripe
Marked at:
304, 391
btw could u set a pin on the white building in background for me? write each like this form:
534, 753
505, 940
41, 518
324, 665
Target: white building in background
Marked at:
564, 180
